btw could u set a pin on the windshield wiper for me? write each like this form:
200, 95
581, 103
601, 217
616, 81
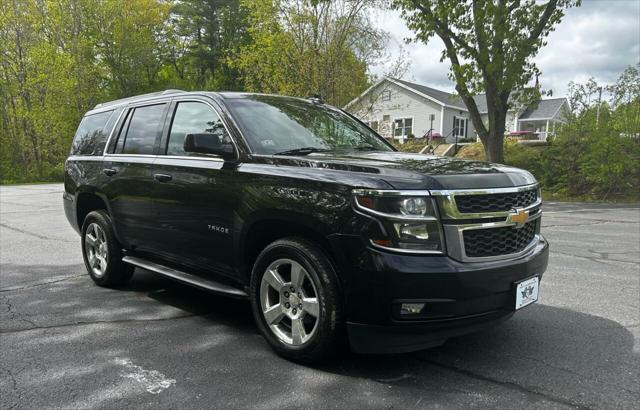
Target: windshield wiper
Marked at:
301, 151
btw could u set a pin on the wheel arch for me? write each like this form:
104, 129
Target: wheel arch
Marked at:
261, 230
89, 200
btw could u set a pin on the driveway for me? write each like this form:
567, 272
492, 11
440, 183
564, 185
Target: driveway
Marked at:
157, 344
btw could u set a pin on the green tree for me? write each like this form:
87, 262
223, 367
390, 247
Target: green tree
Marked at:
209, 33
597, 153
58, 59
303, 47
126, 36
625, 100
490, 45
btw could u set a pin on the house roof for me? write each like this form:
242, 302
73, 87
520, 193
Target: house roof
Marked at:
441, 96
545, 109
481, 103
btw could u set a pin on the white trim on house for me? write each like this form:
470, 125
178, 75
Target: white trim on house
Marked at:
542, 119
399, 84
428, 97
442, 121
365, 92
553, 117
393, 126
465, 129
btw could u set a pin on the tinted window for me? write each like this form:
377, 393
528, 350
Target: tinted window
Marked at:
91, 135
276, 124
193, 118
144, 129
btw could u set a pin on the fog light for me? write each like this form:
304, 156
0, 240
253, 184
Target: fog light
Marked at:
411, 308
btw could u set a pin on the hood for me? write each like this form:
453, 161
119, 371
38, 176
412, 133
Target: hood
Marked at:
414, 171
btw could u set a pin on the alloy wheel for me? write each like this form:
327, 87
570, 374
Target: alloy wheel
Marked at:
289, 302
95, 243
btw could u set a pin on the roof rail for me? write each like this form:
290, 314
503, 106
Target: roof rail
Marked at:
135, 97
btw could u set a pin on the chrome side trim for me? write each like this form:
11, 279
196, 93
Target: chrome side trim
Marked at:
85, 158
390, 192
125, 157
184, 277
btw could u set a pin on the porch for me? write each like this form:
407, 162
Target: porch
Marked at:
540, 129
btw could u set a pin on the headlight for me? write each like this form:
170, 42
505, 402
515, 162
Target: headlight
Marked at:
409, 217
414, 206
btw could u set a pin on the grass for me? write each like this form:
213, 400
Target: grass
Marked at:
28, 182
476, 151
410, 145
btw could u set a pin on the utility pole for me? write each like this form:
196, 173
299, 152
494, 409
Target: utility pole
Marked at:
599, 104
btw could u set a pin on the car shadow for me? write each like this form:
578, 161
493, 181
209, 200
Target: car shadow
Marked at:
553, 354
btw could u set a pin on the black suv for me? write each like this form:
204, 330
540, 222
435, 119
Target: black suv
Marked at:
331, 233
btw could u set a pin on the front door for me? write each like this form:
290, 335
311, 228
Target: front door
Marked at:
460, 127
195, 194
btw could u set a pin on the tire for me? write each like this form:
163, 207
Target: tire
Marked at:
322, 336
101, 251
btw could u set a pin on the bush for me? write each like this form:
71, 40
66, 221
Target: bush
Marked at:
603, 166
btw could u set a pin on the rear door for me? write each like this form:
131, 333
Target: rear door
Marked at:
196, 194
130, 176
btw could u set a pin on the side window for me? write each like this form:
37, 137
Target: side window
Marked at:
194, 118
144, 127
91, 135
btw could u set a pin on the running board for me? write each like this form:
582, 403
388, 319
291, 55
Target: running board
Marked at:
184, 277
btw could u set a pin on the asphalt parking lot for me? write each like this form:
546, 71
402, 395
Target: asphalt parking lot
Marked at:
157, 344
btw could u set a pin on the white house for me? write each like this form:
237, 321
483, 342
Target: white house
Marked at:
398, 109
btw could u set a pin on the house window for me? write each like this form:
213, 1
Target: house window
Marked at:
402, 127
386, 118
460, 127
374, 125
386, 95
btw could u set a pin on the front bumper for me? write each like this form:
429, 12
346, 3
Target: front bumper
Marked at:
459, 298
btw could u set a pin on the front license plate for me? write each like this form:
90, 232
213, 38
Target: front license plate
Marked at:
526, 292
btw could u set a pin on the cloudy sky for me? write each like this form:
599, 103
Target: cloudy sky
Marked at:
599, 39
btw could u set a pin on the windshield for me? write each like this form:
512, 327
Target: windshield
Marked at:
280, 125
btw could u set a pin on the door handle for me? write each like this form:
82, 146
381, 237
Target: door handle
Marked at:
162, 177
110, 171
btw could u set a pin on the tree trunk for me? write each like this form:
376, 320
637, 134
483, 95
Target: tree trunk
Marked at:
498, 106
494, 148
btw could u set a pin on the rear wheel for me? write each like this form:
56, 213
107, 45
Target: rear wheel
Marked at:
101, 251
296, 300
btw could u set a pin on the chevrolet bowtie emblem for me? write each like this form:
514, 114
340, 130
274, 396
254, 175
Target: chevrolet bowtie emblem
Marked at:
518, 217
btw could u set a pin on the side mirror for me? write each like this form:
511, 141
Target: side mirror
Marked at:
208, 143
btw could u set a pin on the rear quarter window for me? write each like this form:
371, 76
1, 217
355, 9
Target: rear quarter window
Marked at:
92, 134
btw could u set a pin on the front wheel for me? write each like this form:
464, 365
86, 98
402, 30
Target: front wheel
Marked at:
296, 300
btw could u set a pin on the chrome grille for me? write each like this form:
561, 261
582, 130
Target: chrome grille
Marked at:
479, 243
498, 202
477, 222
